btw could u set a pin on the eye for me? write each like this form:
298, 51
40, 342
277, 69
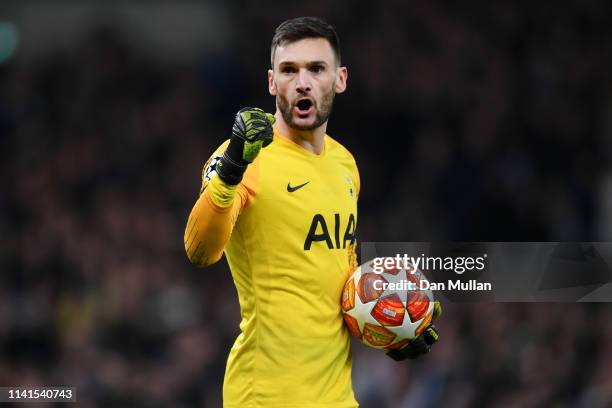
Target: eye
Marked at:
317, 68
287, 69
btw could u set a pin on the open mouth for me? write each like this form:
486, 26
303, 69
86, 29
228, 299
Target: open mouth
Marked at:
304, 104
304, 107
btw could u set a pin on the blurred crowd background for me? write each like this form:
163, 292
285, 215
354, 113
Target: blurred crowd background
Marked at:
488, 122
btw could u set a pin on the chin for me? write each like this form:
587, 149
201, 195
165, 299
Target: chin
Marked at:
304, 124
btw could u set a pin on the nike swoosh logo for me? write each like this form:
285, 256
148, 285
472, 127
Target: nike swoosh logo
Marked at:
292, 189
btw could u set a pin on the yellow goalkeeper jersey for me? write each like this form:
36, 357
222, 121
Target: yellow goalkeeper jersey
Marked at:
289, 240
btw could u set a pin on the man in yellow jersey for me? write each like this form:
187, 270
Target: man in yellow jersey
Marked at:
281, 203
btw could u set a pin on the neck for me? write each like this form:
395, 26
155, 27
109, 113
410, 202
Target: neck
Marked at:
311, 140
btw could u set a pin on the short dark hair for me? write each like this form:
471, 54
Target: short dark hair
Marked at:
304, 27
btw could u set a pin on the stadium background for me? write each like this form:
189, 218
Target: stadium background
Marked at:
487, 122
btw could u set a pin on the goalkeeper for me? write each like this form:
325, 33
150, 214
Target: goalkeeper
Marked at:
281, 203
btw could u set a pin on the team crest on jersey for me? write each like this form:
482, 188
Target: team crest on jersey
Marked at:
351, 189
211, 169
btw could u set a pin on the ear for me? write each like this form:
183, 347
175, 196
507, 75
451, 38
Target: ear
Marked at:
341, 78
271, 83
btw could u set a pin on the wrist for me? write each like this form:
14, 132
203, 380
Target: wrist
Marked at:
231, 170
221, 193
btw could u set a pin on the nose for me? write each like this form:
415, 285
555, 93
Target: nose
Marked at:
303, 81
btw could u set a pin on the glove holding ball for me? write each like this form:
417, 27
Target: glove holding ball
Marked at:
422, 344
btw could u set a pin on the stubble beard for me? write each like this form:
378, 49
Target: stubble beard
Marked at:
321, 113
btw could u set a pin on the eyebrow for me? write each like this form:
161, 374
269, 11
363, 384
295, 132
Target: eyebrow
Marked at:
309, 63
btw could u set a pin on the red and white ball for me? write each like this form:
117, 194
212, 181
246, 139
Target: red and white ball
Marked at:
386, 318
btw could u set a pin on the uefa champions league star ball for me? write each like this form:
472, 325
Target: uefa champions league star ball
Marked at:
386, 309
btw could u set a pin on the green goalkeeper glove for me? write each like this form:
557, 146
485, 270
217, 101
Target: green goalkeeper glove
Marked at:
422, 344
252, 130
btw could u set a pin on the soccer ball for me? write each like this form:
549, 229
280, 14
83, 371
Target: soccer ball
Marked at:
386, 309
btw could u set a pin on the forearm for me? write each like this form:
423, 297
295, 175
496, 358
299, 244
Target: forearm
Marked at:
211, 222
213, 217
